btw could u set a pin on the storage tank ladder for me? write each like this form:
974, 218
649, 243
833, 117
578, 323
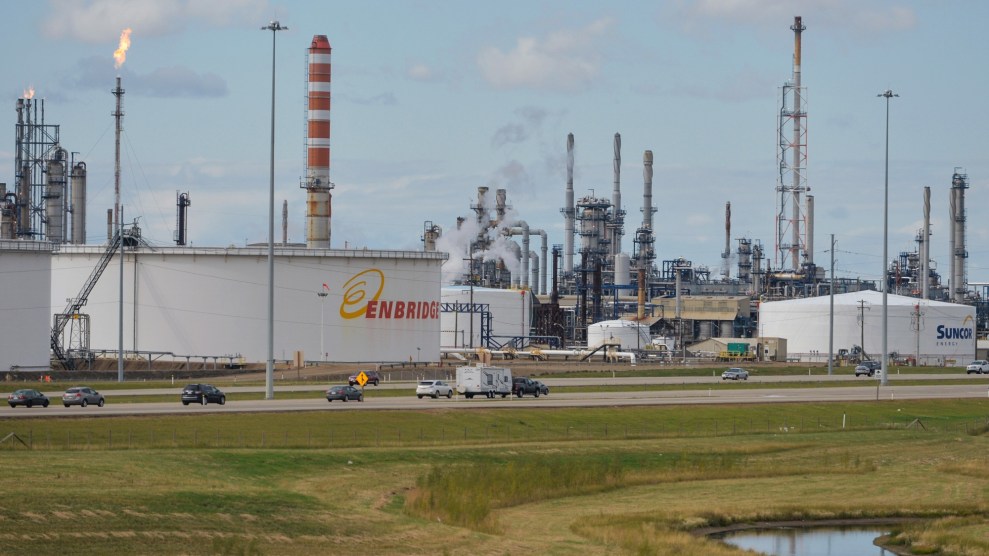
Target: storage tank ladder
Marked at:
75, 304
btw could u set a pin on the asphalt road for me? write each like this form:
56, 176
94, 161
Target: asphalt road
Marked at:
719, 393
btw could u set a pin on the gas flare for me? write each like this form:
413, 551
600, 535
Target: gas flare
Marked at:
29, 92
120, 54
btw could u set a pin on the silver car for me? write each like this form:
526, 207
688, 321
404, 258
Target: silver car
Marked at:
735, 373
82, 395
433, 389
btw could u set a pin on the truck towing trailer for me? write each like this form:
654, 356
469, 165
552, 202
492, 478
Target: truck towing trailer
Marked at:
484, 381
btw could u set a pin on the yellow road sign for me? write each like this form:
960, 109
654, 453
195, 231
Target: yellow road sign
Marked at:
362, 378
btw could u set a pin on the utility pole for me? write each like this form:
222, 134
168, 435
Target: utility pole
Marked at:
862, 309
831, 316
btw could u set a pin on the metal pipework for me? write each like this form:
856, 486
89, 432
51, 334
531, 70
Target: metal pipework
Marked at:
534, 265
523, 230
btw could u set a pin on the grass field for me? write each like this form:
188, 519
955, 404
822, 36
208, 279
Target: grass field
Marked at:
518, 481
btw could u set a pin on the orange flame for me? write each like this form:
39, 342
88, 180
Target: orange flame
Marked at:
120, 54
29, 92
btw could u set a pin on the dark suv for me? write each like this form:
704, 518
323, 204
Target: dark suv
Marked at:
372, 378
522, 385
202, 394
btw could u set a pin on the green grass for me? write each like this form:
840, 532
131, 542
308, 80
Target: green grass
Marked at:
589, 481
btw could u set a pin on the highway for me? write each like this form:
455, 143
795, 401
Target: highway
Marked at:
719, 392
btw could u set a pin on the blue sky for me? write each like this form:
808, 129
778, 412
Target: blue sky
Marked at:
432, 99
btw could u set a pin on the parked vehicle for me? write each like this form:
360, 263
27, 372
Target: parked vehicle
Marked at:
868, 368
980, 366
522, 385
542, 388
344, 393
372, 378
82, 395
202, 394
28, 397
433, 389
484, 381
735, 373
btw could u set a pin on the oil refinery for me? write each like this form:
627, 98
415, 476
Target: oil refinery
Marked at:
491, 282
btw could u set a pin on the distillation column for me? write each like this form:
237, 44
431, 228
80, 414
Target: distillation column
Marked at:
568, 212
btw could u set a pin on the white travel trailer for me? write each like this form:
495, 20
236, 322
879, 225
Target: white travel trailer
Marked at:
484, 381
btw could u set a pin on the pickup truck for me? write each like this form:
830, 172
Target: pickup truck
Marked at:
523, 385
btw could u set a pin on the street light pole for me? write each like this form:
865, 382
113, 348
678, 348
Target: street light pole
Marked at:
269, 374
884, 380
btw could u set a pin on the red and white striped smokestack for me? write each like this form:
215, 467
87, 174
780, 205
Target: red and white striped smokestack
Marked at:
317, 181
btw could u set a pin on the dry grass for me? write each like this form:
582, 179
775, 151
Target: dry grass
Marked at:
565, 495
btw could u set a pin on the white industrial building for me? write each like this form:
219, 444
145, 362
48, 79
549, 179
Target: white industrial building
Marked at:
624, 334
190, 301
930, 332
25, 329
498, 314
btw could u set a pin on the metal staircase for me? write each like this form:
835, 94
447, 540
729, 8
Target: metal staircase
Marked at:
71, 312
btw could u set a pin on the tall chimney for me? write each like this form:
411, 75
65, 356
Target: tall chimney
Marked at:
925, 250
616, 200
285, 222
799, 154
317, 181
959, 280
726, 254
568, 212
809, 243
79, 203
118, 116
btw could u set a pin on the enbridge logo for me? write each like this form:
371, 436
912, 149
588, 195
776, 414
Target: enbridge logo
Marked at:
362, 298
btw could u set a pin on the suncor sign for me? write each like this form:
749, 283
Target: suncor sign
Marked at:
951, 335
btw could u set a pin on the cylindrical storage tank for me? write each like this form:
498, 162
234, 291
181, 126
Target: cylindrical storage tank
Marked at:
626, 333
79, 203
623, 273
704, 330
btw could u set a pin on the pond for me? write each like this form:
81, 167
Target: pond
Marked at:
796, 541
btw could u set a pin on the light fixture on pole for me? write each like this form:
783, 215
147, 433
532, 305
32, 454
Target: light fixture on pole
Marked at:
322, 303
269, 374
884, 379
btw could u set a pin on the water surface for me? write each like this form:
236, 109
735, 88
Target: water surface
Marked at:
810, 541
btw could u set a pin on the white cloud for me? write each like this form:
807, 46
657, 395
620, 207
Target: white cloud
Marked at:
421, 72
565, 60
100, 21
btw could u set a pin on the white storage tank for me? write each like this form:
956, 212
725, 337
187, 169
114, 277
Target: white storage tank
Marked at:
623, 273
629, 334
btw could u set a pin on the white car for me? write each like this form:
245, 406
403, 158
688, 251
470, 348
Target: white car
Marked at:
980, 366
735, 373
433, 389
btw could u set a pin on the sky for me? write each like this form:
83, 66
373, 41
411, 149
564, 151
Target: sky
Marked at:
434, 98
